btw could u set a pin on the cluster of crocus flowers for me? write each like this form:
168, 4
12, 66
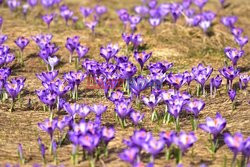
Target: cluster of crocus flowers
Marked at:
6, 57
142, 141
47, 50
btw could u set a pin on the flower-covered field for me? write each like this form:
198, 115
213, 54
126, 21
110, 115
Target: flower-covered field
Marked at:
124, 83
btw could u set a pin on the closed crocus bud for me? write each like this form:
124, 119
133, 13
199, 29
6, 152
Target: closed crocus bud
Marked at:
232, 94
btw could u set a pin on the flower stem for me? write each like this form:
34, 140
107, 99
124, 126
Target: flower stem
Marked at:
177, 124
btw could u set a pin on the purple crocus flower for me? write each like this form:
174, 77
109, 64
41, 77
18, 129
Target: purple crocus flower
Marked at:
86, 11
22, 42
229, 21
66, 15
47, 76
241, 41
237, 32
233, 54
89, 141
152, 101
71, 109
234, 142
91, 25
98, 109
14, 87
159, 67
168, 137
229, 73
116, 96
232, 94
47, 97
153, 146
126, 38
214, 126
127, 70
136, 40
48, 126
202, 74
140, 136
152, 4
84, 111
142, 57
129, 155
195, 106
177, 80
216, 82
109, 51
71, 45
243, 81
141, 10
81, 51
154, 21
134, 20
48, 18
185, 140
60, 88
3, 38
100, 10
20, 153
108, 134
138, 84
136, 117
25, 8
123, 109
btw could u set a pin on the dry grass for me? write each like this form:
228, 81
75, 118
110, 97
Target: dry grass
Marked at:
183, 46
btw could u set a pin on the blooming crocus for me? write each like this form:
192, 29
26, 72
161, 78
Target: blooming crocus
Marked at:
53, 61
195, 106
85, 11
136, 40
142, 57
139, 137
159, 67
48, 98
49, 126
129, 155
108, 134
214, 126
109, 51
47, 76
91, 25
151, 102
100, 10
154, 21
243, 81
127, 70
66, 15
177, 80
134, 20
71, 45
81, 51
138, 84
98, 109
47, 3
237, 32
48, 18
22, 42
123, 109
201, 75
233, 54
89, 141
229, 21
241, 41
232, 94
154, 147
215, 84
13, 88
116, 96
136, 117
71, 109
168, 137
229, 73
184, 141
126, 38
